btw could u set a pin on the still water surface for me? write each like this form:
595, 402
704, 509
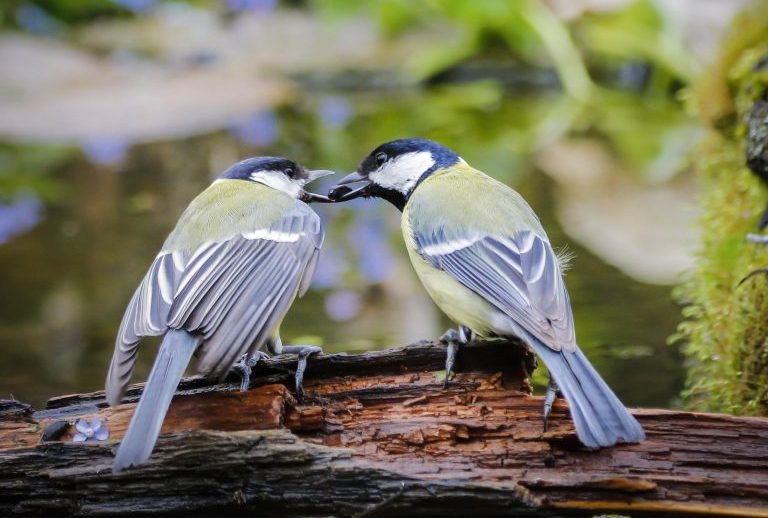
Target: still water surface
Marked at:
107, 206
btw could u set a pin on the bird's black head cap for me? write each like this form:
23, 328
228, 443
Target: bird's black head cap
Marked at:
244, 169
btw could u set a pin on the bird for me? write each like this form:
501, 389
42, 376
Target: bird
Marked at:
484, 258
224, 279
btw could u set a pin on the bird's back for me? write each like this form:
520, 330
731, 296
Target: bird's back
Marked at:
228, 271
225, 209
460, 198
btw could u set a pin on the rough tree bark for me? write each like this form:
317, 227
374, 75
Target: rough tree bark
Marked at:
377, 434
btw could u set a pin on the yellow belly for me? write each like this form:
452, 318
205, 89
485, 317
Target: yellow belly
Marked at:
461, 304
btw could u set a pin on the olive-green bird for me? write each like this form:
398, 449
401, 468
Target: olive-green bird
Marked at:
483, 256
222, 283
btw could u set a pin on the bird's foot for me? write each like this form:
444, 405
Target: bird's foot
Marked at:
453, 339
303, 352
549, 399
245, 364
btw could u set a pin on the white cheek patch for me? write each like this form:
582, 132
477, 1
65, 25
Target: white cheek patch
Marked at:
402, 173
277, 180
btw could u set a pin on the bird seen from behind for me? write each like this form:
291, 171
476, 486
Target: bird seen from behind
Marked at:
219, 288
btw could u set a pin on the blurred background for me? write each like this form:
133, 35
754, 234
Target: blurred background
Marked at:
114, 114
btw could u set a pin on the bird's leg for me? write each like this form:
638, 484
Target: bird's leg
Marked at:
454, 339
549, 399
245, 364
302, 351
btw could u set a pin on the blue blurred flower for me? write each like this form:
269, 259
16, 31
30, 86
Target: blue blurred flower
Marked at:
19, 216
35, 19
369, 237
335, 112
105, 150
93, 431
330, 267
137, 6
263, 6
260, 129
343, 305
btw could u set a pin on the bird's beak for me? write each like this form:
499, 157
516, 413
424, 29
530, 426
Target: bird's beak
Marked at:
310, 197
318, 173
341, 191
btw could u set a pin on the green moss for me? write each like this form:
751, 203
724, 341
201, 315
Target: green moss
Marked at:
726, 323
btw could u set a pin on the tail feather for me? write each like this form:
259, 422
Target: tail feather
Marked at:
172, 359
600, 418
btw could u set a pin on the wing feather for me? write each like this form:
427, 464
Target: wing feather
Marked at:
519, 274
232, 292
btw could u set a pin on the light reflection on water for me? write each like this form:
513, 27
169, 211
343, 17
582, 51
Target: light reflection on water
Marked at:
65, 283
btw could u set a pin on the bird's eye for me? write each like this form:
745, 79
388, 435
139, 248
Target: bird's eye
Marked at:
288, 172
380, 159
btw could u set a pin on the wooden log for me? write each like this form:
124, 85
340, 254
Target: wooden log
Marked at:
377, 434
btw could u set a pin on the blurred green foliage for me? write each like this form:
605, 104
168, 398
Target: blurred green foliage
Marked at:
726, 329
649, 132
641, 31
529, 31
32, 168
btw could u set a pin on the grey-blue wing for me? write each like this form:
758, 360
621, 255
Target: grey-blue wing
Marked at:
232, 293
520, 275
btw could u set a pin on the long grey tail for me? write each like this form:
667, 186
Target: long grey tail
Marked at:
172, 359
600, 418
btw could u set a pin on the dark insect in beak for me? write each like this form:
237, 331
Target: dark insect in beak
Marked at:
311, 197
343, 192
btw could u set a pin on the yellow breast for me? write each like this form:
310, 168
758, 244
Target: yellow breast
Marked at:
461, 304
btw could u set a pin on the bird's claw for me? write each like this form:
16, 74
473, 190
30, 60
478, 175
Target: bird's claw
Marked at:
244, 366
453, 339
303, 352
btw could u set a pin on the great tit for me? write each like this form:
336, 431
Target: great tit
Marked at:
483, 256
223, 281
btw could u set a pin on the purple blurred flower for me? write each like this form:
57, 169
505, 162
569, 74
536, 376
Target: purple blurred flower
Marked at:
330, 267
137, 6
105, 150
262, 6
35, 19
370, 239
93, 431
19, 216
335, 112
342, 305
257, 130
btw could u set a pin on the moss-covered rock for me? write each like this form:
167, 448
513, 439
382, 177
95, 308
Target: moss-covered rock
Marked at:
726, 323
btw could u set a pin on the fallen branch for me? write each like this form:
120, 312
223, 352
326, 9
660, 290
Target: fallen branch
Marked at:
377, 434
